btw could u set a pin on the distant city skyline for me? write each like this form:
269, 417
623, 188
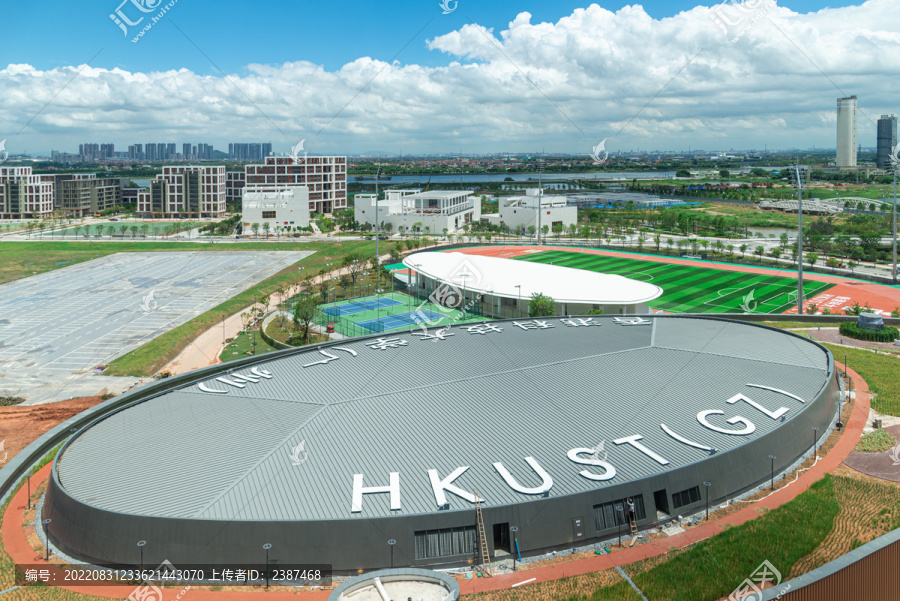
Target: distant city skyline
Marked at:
509, 77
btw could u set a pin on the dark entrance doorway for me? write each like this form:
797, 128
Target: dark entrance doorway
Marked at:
501, 538
662, 501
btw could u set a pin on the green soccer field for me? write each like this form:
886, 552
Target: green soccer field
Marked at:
688, 289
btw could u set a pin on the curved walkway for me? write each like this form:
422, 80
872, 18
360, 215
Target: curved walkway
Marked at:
16, 544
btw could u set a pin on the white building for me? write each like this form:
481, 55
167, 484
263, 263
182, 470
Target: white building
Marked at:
326, 178
502, 288
285, 208
521, 212
24, 195
415, 211
185, 190
846, 132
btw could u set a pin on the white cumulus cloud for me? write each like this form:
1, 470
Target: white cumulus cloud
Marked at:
728, 76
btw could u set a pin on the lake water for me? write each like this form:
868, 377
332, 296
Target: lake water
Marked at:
522, 177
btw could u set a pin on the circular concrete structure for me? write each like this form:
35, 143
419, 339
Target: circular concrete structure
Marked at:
327, 453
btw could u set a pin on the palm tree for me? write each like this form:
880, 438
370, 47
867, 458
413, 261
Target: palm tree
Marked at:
266, 227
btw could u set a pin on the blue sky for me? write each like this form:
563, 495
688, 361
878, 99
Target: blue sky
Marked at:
488, 77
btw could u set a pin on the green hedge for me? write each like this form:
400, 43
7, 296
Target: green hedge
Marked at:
851, 330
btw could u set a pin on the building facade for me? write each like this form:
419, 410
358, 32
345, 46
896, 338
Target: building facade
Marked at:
326, 178
521, 213
84, 194
234, 186
24, 195
846, 132
283, 210
414, 211
188, 190
887, 140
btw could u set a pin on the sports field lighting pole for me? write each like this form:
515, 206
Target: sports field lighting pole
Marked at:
519, 304
299, 281
140, 545
772, 483
619, 512
377, 256
267, 546
894, 228
799, 240
515, 547
391, 544
707, 485
47, 534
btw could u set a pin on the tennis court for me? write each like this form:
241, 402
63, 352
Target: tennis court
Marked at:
401, 320
393, 311
688, 289
353, 307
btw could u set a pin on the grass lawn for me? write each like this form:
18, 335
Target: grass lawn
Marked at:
880, 373
242, 347
713, 568
689, 289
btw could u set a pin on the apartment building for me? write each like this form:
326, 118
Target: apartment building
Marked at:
185, 190
24, 195
83, 194
234, 186
326, 178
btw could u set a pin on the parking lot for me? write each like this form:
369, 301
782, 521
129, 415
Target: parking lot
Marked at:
70, 320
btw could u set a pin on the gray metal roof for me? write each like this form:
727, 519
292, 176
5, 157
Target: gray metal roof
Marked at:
468, 400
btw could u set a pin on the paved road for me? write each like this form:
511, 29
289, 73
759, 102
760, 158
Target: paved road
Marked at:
67, 321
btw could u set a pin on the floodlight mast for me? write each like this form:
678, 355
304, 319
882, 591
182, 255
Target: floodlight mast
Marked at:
799, 240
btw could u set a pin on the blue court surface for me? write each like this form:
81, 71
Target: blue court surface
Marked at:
360, 307
401, 320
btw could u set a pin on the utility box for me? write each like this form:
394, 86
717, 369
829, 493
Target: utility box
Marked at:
870, 321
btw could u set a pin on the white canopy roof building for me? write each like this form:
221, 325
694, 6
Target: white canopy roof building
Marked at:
502, 287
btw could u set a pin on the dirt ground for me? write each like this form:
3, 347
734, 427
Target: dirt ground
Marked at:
21, 425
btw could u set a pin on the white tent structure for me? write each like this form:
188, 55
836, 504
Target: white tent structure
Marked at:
502, 287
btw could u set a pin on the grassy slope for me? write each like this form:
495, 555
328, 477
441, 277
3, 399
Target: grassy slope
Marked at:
879, 371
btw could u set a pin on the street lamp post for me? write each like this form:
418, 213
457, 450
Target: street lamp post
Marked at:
515, 548
299, 281
29, 491
707, 485
267, 546
621, 515
140, 545
772, 458
47, 534
519, 305
816, 441
845, 365
391, 544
